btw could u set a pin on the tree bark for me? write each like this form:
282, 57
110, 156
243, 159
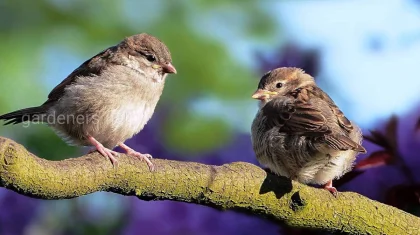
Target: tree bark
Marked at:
236, 186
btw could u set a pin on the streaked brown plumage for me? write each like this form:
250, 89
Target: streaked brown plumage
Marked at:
299, 132
108, 99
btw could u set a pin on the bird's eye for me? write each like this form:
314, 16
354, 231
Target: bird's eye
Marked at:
279, 85
150, 57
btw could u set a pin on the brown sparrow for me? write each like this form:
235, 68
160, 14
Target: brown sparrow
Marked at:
299, 132
108, 99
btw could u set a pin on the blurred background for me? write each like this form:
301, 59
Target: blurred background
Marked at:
365, 54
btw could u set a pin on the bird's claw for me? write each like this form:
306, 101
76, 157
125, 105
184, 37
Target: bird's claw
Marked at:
143, 157
332, 190
108, 153
328, 186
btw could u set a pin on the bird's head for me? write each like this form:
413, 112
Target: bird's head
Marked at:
147, 55
281, 81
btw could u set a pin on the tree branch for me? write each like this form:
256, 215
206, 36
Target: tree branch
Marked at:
238, 186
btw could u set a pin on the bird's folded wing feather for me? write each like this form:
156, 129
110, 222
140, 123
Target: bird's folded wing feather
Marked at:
93, 66
341, 119
302, 118
341, 142
294, 116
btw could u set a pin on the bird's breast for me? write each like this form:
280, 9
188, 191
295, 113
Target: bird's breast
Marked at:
118, 104
132, 116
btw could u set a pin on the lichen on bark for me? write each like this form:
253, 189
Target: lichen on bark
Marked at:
236, 186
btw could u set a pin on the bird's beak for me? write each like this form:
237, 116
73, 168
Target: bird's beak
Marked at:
168, 68
261, 94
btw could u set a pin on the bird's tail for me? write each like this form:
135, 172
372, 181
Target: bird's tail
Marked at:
24, 115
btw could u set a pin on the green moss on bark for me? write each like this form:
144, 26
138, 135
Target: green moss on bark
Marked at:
237, 186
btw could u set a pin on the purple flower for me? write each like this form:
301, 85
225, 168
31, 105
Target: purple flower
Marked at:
17, 212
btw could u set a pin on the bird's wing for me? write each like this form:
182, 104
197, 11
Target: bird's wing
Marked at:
341, 119
337, 142
302, 118
294, 116
343, 143
93, 66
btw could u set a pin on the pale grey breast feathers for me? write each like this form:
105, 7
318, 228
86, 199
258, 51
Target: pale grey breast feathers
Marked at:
112, 111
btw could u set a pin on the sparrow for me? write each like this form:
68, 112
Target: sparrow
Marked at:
107, 99
299, 132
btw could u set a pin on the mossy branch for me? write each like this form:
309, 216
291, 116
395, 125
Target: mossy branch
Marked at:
237, 186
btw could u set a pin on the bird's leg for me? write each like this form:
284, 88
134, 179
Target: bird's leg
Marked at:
328, 186
143, 156
108, 153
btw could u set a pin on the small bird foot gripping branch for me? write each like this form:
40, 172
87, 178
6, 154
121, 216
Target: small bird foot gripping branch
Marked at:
237, 186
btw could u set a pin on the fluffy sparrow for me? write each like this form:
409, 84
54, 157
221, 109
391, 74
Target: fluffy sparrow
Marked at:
299, 132
108, 99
